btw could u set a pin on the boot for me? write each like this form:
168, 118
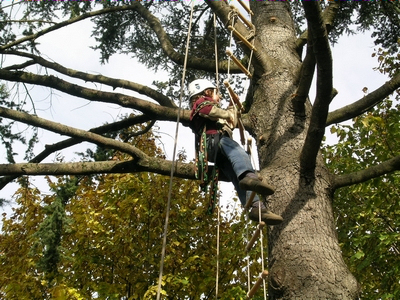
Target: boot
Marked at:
251, 183
266, 216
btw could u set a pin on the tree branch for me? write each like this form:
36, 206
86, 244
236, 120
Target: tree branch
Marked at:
364, 104
153, 111
386, 167
114, 83
323, 57
27, 21
49, 149
72, 132
66, 23
166, 45
328, 15
20, 66
144, 164
308, 65
305, 81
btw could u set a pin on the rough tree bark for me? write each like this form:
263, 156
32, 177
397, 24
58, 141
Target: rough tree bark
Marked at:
305, 260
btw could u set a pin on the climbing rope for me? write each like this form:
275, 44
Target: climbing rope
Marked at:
216, 52
173, 158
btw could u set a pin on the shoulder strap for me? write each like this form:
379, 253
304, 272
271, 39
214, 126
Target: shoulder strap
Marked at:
202, 104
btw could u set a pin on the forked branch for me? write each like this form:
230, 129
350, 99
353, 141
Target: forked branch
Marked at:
64, 24
169, 50
72, 132
319, 39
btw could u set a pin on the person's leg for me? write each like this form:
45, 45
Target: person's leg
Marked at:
257, 205
241, 165
238, 158
235, 163
226, 168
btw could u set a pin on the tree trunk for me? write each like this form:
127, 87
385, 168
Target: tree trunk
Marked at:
305, 260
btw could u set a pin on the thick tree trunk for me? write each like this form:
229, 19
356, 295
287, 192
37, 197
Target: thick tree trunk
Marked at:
305, 260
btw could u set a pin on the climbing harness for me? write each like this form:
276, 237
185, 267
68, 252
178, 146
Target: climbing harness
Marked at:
206, 144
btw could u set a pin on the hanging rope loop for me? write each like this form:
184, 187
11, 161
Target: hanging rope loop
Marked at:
173, 159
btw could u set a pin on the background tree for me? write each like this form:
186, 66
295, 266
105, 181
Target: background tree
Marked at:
368, 212
99, 237
305, 260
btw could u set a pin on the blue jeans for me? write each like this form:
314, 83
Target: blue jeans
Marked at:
233, 161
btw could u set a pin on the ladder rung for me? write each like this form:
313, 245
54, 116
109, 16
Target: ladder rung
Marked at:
243, 18
241, 131
255, 236
249, 143
233, 95
257, 285
242, 38
250, 201
239, 64
249, 11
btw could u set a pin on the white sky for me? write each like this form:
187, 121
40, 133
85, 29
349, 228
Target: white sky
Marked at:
353, 70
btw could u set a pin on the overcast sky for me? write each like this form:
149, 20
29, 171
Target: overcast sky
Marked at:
353, 70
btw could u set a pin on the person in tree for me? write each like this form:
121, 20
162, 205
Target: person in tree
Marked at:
213, 127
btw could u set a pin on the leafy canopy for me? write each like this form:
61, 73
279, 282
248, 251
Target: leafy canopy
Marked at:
368, 213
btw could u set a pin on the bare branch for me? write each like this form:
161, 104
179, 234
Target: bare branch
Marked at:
308, 65
115, 83
66, 23
144, 164
72, 132
13, 4
306, 77
323, 57
178, 58
386, 167
28, 21
153, 111
20, 66
49, 149
364, 104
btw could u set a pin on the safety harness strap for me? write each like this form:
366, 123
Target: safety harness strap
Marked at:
206, 144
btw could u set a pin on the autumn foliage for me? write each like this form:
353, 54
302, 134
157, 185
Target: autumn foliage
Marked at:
101, 237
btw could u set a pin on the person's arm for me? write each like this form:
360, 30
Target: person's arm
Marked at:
219, 113
214, 113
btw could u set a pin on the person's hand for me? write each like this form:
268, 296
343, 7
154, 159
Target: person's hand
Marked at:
231, 120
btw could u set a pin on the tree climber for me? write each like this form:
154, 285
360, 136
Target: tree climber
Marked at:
212, 127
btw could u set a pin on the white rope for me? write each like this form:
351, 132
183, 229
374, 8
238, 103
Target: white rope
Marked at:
217, 273
218, 207
230, 45
216, 53
173, 160
262, 253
